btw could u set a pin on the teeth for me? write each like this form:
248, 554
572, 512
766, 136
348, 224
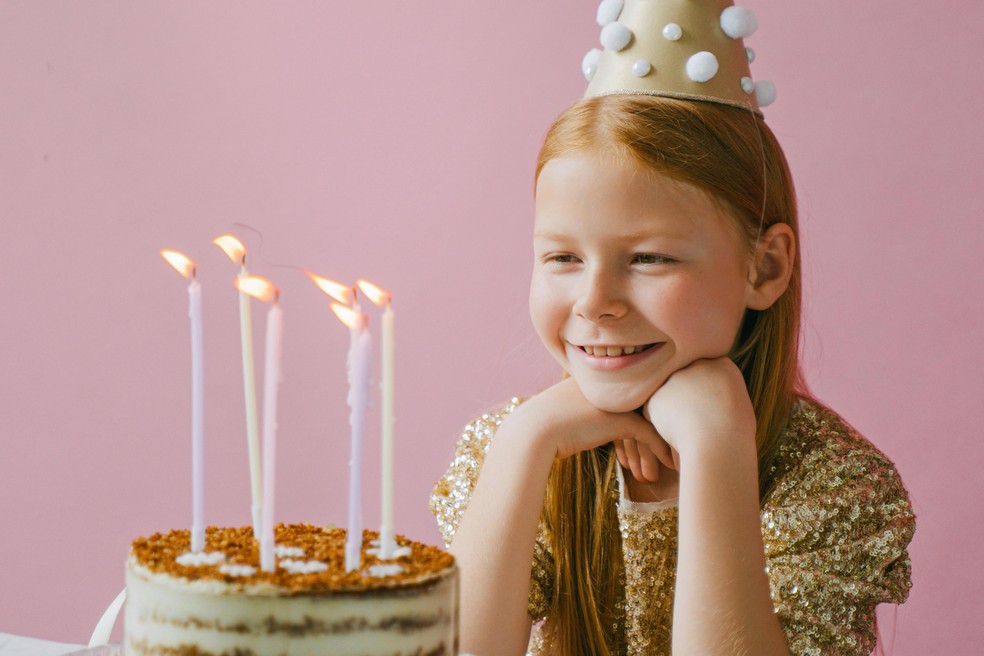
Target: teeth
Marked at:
613, 351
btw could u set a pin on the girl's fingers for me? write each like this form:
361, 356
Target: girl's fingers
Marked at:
662, 452
649, 464
635, 462
676, 458
620, 454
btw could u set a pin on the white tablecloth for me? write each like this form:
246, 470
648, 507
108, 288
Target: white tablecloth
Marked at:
11, 645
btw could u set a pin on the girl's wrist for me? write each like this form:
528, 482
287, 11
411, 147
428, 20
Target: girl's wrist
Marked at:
526, 433
727, 446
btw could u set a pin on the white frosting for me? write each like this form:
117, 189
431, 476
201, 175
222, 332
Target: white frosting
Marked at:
381, 571
237, 570
303, 566
399, 552
283, 551
201, 558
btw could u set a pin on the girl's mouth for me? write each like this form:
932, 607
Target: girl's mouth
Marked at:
611, 358
614, 351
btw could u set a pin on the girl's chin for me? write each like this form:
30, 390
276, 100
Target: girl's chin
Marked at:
614, 400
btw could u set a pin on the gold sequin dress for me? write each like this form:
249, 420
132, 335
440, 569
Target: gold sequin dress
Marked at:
835, 526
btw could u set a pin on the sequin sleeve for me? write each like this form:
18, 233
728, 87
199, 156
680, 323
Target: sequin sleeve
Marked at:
836, 526
453, 491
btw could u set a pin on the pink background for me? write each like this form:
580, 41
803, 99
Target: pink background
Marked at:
396, 141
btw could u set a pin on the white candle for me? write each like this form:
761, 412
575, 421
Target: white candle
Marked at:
359, 360
234, 248
249, 392
197, 418
387, 537
271, 382
265, 291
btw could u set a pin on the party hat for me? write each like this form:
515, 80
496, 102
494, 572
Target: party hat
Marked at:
690, 49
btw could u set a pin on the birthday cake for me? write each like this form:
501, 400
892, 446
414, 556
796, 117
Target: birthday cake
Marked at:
219, 601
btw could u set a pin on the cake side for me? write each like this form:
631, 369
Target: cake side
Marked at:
219, 602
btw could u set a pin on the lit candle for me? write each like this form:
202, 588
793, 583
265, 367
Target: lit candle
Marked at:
359, 360
237, 253
188, 269
264, 290
387, 536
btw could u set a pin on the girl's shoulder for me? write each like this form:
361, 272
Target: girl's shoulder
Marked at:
453, 491
821, 452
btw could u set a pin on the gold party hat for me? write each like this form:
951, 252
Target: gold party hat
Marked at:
690, 49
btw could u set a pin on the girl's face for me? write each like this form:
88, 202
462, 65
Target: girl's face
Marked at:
636, 276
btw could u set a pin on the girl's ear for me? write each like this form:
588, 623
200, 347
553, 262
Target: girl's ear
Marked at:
769, 273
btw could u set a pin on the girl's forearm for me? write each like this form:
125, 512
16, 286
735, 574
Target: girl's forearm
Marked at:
494, 542
722, 603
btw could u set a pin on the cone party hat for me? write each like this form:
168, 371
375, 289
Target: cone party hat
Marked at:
688, 49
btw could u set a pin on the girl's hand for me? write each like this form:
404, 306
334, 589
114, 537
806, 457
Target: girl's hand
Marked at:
704, 403
643, 461
568, 424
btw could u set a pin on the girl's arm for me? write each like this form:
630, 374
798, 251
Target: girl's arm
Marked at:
722, 602
494, 542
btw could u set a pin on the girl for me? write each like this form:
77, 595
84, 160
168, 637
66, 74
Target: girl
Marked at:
679, 488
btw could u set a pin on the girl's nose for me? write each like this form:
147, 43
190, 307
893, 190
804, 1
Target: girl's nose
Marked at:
600, 296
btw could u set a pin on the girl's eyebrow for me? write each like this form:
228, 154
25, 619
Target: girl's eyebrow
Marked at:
631, 237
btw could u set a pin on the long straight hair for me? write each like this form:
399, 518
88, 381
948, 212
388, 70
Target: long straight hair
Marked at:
731, 154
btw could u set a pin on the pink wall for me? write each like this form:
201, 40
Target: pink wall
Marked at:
396, 141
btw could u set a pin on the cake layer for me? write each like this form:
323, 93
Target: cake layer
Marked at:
408, 607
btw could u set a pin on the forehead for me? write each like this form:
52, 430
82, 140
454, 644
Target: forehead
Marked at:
610, 195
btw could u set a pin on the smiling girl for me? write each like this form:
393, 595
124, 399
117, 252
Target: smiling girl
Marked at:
679, 489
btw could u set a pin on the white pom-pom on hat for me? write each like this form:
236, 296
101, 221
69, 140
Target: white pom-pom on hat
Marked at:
590, 63
609, 11
641, 68
765, 92
702, 66
738, 22
747, 85
672, 32
615, 36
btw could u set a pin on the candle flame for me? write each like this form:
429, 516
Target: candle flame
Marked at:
259, 288
232, 247
347, 315
341, 293
181, 262
373, 293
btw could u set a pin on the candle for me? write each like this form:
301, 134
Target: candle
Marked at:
359, 360
237, 253
264, 290
188, 269
387, 537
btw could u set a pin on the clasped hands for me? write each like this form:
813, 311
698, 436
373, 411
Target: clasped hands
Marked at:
704, 404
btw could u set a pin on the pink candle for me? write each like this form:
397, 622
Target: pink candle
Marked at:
359, 361
186, 267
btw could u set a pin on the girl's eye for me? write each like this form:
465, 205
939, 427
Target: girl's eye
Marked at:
651, 258
562, 258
